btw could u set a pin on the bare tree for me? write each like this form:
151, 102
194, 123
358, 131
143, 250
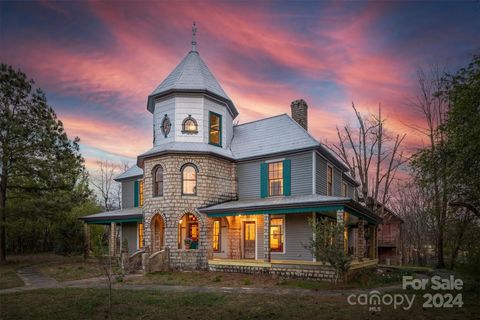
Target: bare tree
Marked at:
104, 183
433, 108
371, 155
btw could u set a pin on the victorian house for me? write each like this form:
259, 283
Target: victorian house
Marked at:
216, 196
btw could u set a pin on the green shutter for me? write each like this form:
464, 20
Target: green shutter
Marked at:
264, 180
286, 177
135, 194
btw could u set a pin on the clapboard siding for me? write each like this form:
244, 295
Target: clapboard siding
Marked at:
321, 179
301, 181
337, 182
127, 194
129, 233
351, 191
297, 237
301, 176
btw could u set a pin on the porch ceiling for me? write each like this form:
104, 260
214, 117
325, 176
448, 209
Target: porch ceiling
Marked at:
291, 205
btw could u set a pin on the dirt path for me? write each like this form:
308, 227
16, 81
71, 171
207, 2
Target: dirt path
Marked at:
34, 279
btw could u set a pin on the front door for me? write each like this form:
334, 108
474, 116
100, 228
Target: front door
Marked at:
249, 240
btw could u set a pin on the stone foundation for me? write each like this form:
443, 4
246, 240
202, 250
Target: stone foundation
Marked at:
316, 272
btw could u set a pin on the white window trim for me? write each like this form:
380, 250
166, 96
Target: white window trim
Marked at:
314, 173
268, 182
274, 160
333, 180
284, 234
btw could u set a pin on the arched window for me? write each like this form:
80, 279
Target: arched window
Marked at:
158, 181
189, 179
188, 232
189, 125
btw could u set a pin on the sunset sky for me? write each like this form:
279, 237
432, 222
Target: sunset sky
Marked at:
98, 61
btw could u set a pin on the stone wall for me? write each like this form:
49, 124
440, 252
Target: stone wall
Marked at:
315, 272
216, 182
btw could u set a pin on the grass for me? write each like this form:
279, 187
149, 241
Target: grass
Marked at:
9, 278
363, 279
133, 304
61, 268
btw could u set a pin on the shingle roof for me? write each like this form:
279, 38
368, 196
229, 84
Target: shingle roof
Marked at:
132, 172
191, 75
268, 136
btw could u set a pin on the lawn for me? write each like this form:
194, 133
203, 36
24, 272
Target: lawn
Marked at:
9, 278
147, 304
364, 279
61, 268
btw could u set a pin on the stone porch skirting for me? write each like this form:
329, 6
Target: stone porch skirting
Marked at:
287, 269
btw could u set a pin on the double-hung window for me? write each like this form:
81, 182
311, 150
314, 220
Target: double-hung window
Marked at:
329, 181
275, 178
277, 234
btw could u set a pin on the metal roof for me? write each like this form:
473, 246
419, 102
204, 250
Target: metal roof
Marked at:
269, 136
275, 205
116, 215
132, 172
191, 75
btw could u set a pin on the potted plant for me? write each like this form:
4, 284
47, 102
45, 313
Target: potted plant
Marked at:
188, 242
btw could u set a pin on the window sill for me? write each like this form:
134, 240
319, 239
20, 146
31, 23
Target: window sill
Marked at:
215, 145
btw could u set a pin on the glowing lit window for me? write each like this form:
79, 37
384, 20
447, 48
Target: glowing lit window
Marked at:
140, 193
189, 125
216, 235
276, 234
140, 235
215, 129
189, 180
275, 178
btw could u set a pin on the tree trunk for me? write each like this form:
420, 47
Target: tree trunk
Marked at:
3, 214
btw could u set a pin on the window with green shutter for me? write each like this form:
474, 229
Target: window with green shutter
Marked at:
135, 194
275, 178
287, 177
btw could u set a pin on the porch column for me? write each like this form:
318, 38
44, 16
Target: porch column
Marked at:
113, 240
373, 241
360, 245
341, 222
266, 238
86, 240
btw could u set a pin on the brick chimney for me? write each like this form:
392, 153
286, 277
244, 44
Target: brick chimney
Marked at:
300, 112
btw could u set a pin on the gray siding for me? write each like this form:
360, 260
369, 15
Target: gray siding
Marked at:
321, 172
351, 191
337, 182
128, 190
301, 176
297, 236
129, 233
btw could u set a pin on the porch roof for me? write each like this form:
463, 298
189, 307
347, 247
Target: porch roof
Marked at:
123, 215
291, 204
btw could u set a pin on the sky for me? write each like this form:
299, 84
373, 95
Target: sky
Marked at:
98, 61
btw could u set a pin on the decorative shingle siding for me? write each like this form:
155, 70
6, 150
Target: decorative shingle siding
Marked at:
297, 236
301, 176
337, 182
127, 193
321, 180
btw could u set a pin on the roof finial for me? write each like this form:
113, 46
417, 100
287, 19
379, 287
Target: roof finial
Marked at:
194, 32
